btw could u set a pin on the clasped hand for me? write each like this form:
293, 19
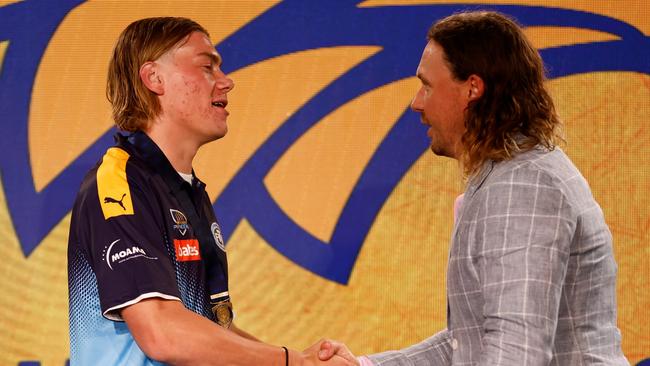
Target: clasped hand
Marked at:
329, 352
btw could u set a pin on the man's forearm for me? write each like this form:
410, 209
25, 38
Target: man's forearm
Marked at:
168, 332
243, 333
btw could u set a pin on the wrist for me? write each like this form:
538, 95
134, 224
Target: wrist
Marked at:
295, 358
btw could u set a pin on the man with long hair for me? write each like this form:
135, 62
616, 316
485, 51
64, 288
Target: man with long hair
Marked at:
147, 268
531, 278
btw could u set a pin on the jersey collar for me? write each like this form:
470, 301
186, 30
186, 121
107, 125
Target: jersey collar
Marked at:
139, 143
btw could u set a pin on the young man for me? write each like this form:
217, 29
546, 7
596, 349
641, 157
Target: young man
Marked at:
531, 278
148, 276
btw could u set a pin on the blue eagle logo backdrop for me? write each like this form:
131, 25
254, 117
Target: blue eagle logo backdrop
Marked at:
395, 34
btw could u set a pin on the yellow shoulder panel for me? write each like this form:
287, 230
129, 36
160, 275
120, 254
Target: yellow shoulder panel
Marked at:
112, 186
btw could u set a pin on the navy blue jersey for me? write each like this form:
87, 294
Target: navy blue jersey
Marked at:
130, 239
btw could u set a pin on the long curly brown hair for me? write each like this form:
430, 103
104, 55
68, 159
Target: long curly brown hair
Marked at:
515, 112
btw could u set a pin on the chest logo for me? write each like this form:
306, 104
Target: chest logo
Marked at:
180, 221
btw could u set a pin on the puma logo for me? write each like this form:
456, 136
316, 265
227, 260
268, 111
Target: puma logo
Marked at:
113, 200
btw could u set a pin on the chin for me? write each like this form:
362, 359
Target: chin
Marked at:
223, 132
440, 152
217, 136
213, 136
219, 131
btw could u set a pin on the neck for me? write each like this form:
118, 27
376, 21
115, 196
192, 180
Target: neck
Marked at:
180, 152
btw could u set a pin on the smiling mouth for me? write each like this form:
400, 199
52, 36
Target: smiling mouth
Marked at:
220, 104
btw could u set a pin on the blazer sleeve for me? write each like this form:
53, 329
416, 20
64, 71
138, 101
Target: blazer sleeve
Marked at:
433, 351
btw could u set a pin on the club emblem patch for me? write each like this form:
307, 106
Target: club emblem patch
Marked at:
216, 232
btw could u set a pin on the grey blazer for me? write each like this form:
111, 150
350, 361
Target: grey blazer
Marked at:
531, 277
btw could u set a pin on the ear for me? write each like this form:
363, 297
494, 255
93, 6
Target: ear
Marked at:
476, 87
150, 76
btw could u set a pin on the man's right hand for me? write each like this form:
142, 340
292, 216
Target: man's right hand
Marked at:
331, 349
324, 352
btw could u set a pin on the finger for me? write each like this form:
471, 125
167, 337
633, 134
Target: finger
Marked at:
327, 350
325, 345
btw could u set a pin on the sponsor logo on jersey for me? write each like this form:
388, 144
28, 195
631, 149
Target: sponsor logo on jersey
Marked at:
114, 255
187, 250
113, 200
216, 232
180, 221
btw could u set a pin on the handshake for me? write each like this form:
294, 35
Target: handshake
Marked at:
329, 352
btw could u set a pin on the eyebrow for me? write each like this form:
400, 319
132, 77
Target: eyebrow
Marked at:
215, 58
422, 78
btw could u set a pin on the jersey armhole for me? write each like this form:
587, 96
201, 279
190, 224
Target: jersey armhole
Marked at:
113, 314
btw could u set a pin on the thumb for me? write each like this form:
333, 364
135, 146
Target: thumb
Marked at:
326, 351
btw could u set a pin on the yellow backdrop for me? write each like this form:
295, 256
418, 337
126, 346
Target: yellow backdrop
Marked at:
396, 293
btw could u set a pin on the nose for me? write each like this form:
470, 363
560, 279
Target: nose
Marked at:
413, 107
225, 84
416, 103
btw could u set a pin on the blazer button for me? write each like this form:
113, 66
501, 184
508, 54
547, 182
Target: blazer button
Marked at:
454, 344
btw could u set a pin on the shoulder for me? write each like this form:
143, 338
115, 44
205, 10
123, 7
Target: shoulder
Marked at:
538, 181
538, 167
118, 165
112, 183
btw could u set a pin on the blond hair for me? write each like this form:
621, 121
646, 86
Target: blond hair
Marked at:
133, 104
